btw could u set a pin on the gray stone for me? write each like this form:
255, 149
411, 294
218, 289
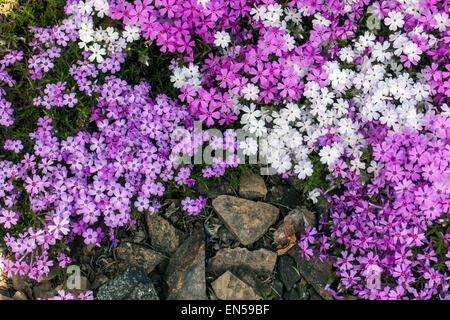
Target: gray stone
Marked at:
3, 298
138, 255
230, 287
277, 289
252, 187
287, 273
19, 295
316, 273
132, 284
44, 290
185, 273
247, 220
163, 236
19, 283
261, 260
214, 188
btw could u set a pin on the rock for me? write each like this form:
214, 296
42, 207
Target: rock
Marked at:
314, 295
44, 290
99, 280
132, 284
252, 187
230, 287
292, 295
253, 279
287, 273
261, 260
19, 295
289, 227
316, 273
185, 274
4, 298
247, 220
214, 188
302, 291
277, 289
19, 283
163, 236
295, 182
284, 195
138, 255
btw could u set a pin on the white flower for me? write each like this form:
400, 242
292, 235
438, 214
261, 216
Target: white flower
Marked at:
346, 54
442, 21
304, 169
250, 92
380, 51
389, 117
375, 168
222, 39
329, 155
249, 146
312, 195
394, 20
257, 127
131, 33
97, 53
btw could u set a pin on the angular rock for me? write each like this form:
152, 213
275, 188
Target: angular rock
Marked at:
214, 188
185, 273
99, 280
132, 284
140, 256
19, 295
316, 273
4, 298
287, 273
261, 260
247, 220
44, 290
277, 289
163, 236
285, 195
292, 295
252, 187
19, 283
230, 287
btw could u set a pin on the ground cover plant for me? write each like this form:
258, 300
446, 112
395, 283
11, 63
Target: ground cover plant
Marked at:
100, 103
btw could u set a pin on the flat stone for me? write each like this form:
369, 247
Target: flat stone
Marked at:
230, 287
316, 273
44, 290
4, 298
284, 195
185, 273
246, 219
163, 236
139, 256
277, 289
214, 188
19, 283
252, 186
132, 284
261, 260
19, 295
287, 273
